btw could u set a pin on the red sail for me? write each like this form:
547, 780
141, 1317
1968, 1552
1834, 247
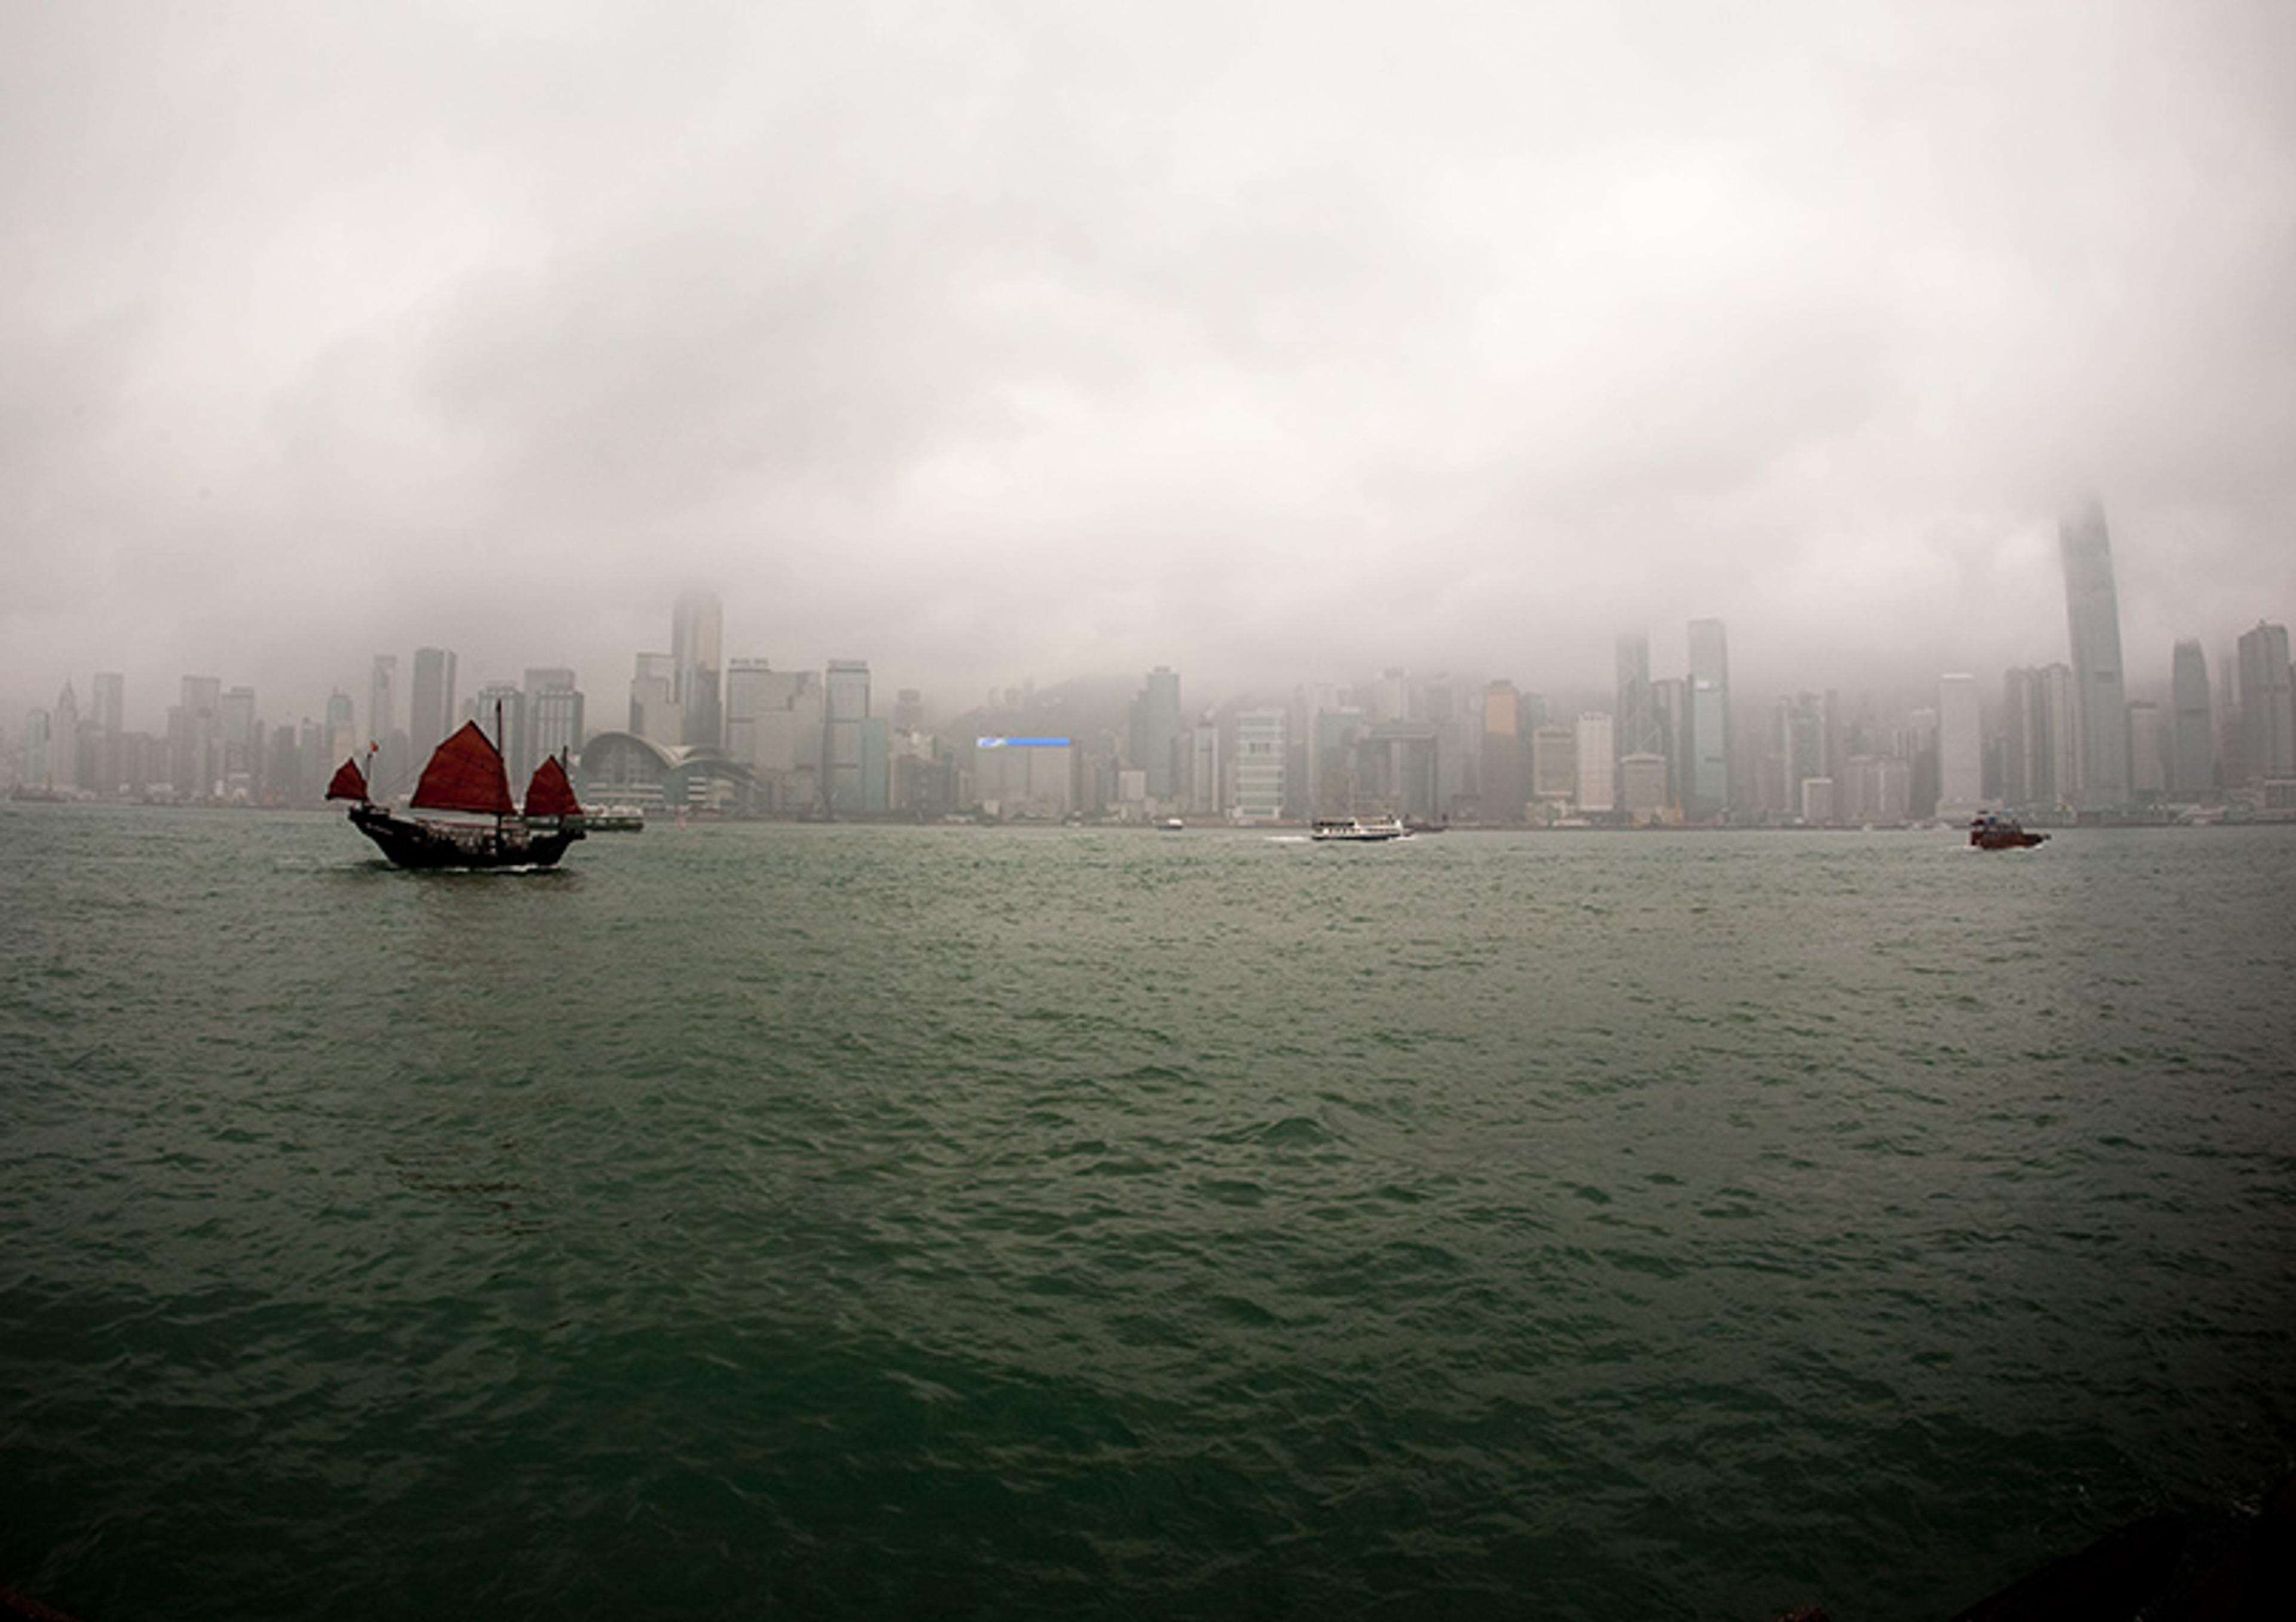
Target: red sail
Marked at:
550, 795
465, 774
347, 784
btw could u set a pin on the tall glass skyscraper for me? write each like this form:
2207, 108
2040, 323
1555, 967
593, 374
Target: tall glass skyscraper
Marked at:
2100, 700
2267, 713
1636, 709
1708, 793
2191, 727
432, 716
1156, 731
697, 639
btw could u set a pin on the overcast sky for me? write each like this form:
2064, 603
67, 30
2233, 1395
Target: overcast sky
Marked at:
1275, 341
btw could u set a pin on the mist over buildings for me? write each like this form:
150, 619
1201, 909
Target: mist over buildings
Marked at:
1274, 344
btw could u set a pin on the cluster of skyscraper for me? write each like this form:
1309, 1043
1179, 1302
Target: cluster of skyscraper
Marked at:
737, 735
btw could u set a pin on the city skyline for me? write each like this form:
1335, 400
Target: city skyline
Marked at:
1048, 343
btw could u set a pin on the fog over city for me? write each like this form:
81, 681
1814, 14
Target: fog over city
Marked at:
1270, 342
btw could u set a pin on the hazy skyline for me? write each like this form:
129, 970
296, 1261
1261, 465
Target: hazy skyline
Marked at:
1274, 343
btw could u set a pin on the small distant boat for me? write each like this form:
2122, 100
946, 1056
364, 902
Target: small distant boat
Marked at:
614, 818
1988, 832
1171, 825
1356, 830
466, 776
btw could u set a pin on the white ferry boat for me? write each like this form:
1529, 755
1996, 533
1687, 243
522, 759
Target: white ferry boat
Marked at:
1356, 830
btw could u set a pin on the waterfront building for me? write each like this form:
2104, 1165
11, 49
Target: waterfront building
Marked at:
780, 716
1961, 749
241, 738
1638, 730
1396, 768
1204, 778
340, 734
655, 713
1594, 756
194, 739
1818, 809
1502, 791
34, 768
2148, 750
1642, 788
499, 708
1709, 793
1875, 789
843, 744
2100, 703
2191, 727
2024, 739
554, 718
1670, 701
1553, 766
63, 745
1156, 732
383, 698
1025, 779
431, 715
2267, 716
108, 702
1260, 753
697, 636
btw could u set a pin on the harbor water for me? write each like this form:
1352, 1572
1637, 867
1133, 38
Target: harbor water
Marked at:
752, 1220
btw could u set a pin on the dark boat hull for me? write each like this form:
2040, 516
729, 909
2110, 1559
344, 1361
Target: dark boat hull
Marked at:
514, 843
2006, 839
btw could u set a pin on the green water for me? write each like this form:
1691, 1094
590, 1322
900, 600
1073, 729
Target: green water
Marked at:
962, 1223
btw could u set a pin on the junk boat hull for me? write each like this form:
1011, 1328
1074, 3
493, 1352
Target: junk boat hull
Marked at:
465, 777
412, 842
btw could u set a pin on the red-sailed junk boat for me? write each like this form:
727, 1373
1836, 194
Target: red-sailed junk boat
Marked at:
466, 775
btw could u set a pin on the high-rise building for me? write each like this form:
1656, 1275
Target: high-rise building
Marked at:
63, 729
1708, 793
2268, 712
1203, 776
433, 715
1553, 765
1638, 730
554, 718
2100, 703
1259, 756
195, 736
383, 698
655, 714
1961, 748
1594, 746
844, 741
35, 766
499, 708
2148, 750
110, 702
1642, 788
2027, 777
2192, 728
697, 637
241, 737
1503, 790
340, 735
1156, 731
1670, 699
